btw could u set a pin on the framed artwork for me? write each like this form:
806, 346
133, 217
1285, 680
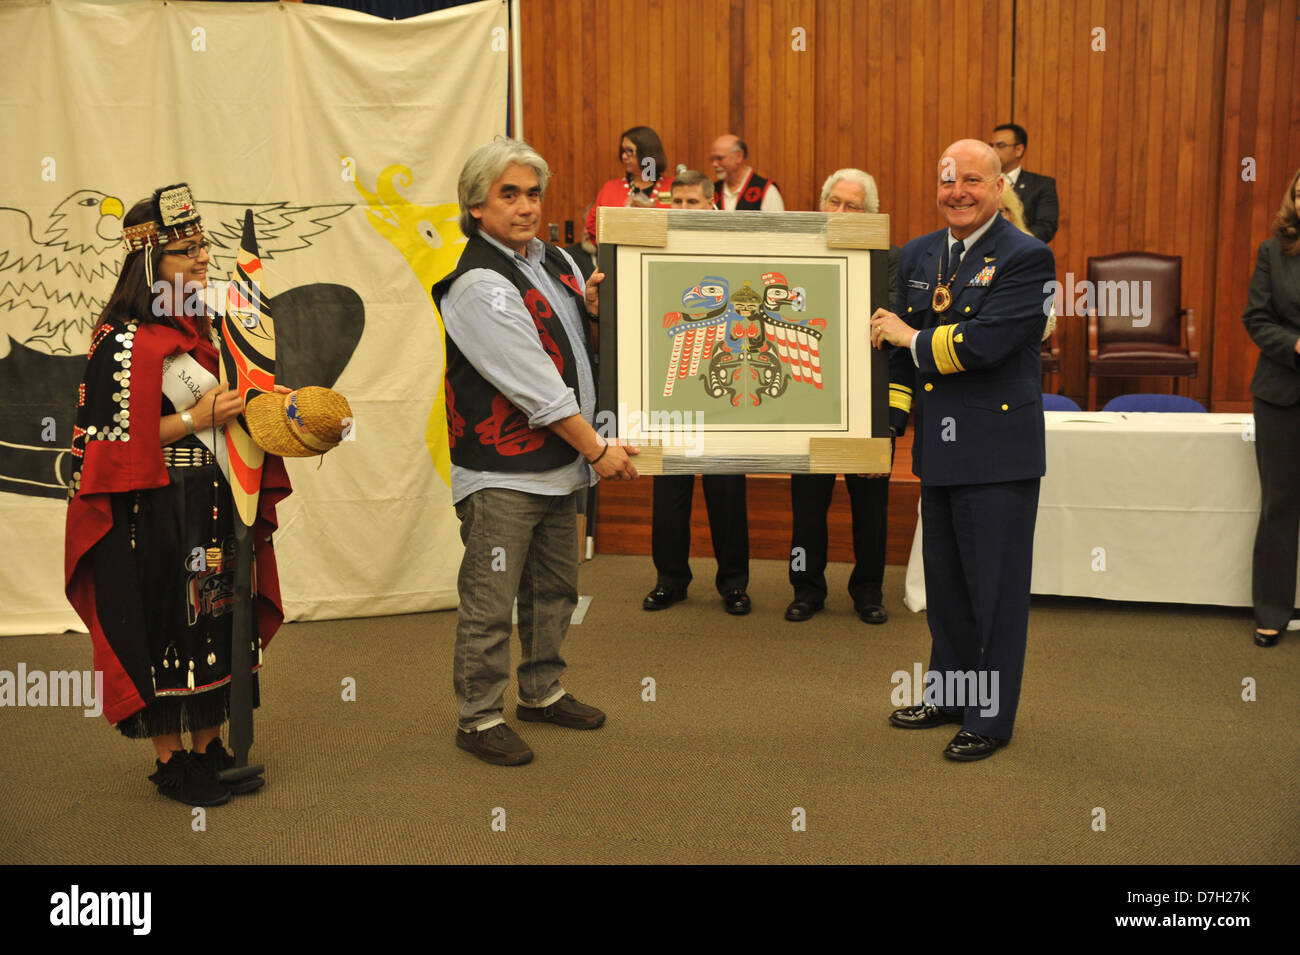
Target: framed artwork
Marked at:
739, 343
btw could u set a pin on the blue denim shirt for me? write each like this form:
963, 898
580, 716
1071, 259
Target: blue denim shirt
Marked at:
485, 316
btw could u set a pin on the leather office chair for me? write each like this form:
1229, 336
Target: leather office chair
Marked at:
1052, 363
1119, 348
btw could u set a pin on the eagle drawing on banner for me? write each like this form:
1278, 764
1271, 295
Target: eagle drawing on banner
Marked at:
58, 268
56, 275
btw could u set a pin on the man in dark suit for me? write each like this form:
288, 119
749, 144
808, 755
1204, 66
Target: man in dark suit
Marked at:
1037, 193
970, 316
845, 190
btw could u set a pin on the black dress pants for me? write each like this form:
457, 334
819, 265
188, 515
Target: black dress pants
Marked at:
1277, 539
810, 500
670, 529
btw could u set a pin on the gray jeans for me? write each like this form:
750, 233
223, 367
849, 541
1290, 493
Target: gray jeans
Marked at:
515, 544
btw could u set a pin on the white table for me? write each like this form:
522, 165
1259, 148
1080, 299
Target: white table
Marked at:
1141, 506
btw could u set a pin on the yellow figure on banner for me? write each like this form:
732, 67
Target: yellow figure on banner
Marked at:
430, 240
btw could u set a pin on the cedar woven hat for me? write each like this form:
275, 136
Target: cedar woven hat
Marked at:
301, 424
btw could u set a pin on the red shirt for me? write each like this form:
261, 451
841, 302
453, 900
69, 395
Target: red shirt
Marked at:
616, 193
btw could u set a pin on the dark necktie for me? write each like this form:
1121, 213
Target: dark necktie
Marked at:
954, 259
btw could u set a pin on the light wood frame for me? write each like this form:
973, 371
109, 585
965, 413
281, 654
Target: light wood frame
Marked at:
630, 238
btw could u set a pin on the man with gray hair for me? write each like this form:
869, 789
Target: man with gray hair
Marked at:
520, 402
845, 190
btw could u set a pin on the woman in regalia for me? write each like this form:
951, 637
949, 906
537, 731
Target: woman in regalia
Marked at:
646, 181
149, 553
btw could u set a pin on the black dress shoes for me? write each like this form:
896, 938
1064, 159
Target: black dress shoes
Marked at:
872, 613
967, 747
922, 717
661, 598
801, 610
1265, 639
737, 602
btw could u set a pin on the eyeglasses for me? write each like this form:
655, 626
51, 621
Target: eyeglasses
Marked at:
1000, 145
834, 202
190, 251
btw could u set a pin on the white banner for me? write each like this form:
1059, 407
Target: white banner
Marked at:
345, 135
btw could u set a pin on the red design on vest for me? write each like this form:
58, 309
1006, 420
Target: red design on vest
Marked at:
537, 305
753, 194
540, 309
455, 420
507, 430
568, 279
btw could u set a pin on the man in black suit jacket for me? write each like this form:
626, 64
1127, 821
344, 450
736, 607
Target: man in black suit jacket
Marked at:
970, 316
1037, 193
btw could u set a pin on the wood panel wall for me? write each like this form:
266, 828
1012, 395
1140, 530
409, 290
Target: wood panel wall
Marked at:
1144, 139
1132, 135
1262, 122
865, 90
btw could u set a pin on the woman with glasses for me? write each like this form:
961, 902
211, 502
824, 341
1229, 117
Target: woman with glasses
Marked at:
646, 181
149, 541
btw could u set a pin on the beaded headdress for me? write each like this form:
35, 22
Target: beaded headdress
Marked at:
174, 217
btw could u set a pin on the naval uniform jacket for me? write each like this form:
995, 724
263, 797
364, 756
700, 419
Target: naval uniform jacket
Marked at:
976, 397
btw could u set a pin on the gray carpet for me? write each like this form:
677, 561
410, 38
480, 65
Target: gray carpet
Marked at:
1132, 709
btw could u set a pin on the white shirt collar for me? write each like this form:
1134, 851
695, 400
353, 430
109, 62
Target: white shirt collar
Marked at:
968, 243
1013, 175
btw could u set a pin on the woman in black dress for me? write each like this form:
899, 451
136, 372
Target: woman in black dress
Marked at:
1273, 319
150, 546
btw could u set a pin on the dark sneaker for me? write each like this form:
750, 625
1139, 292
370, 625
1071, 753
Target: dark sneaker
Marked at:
566, 711
186, 780
499, 745
216, 759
